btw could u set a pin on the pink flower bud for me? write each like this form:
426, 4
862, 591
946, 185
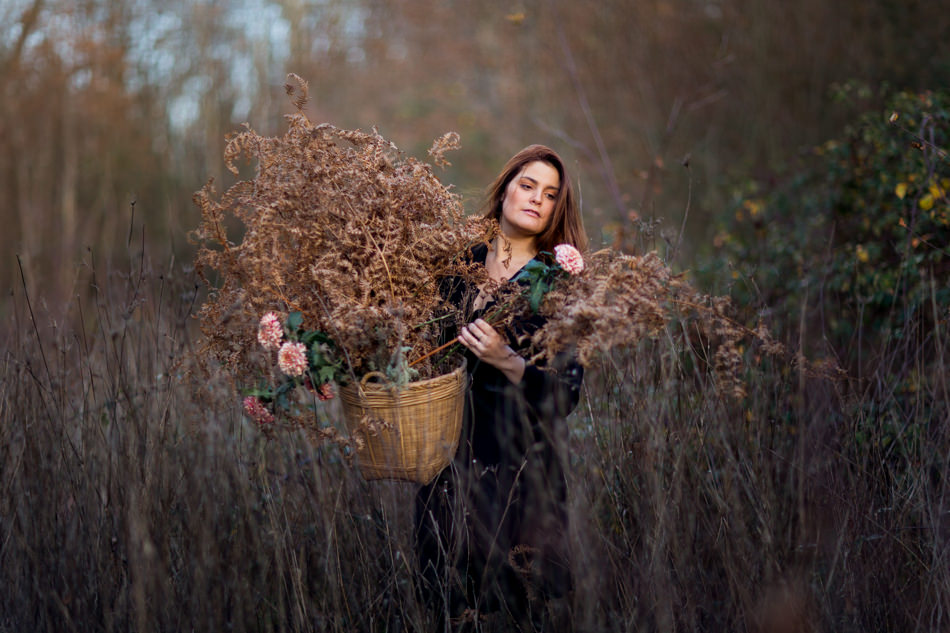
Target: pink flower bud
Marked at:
325, 392
256, 410
270, 332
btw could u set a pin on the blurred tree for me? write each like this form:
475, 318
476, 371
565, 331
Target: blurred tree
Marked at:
105, 102
626, 89
76, 149
111, 115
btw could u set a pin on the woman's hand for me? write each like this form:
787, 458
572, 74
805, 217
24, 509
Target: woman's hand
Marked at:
489, 346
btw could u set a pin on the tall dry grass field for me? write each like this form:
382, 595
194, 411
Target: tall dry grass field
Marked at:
136, 496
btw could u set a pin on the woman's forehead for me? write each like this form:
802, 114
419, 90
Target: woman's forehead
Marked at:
541, 173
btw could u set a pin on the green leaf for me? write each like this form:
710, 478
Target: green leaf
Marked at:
264, 394
327, 373
313, 336
538, 290
533, 271
316, 357
294, 320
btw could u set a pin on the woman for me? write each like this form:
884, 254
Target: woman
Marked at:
492, 528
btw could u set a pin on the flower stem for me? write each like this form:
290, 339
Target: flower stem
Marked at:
438, 349
430, 321
434, 352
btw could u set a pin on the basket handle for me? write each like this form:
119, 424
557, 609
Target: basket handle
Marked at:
373, 374
368, 377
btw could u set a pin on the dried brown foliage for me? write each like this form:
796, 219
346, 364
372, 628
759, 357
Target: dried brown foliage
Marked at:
340, 226
620, 300
343, 228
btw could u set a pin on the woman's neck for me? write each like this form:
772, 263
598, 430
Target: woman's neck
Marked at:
508, 255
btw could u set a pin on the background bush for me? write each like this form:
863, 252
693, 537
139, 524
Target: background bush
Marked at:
847, 249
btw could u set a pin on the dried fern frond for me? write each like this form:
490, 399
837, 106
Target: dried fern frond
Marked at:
340, 226
445, 143
299, 100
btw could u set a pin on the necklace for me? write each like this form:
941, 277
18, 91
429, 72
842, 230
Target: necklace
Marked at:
498, 273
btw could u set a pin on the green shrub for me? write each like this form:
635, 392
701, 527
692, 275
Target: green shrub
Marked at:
854, 244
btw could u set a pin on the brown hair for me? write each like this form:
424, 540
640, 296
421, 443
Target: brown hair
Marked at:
566, 225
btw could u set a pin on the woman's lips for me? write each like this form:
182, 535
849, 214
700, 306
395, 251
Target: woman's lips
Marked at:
532, 212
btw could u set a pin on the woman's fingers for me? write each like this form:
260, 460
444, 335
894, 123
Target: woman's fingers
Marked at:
480, 337
483, 332
469, 338
490, 347
483, 327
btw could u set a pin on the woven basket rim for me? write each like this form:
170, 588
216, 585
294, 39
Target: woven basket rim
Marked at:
389, 387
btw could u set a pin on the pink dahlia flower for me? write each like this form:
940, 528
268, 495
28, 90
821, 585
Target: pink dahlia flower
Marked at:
270, 331
325, 391
256, 410
569, 258
292, 358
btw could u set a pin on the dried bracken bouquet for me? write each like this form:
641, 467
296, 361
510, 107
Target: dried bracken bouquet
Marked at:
613, 300
340, 227
618, 300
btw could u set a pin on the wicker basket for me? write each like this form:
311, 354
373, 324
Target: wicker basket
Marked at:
423, 424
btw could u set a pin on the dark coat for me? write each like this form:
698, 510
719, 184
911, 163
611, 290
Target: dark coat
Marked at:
492, 527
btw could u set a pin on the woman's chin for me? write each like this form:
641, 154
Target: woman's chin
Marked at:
522, 229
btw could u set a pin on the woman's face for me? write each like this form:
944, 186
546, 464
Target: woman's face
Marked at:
528, 204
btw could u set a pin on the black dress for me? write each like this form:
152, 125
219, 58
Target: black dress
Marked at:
491, 530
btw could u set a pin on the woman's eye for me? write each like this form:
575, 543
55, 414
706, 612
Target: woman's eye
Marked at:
551, 196
525, 187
